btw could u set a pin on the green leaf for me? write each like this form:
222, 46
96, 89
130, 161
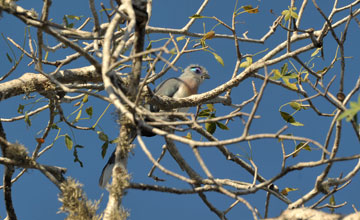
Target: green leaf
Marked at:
301, 145
290, 13
247, 63
68, 142
287, 117
352, 111
149, 46
188, 135
102, 136
202, 42
295, 105
296, 123
249, 9
20, 109
104, 148
286, 13
292, 86
332, 202
105, 9
173, 51
74, 17
284, 69
9, 58
290, 119
287, 190
65, 21
116, 140
222, 126
218, 59
46, 55
78, 116
54, 126
211, 107
322, 71
85, 98
294, 14
289, 84
291, 76
27, 119
196, 16
316, 52
204, 113
277, 74
349, 114
210, 127
89, 111
298, 106
209, 35
180, 38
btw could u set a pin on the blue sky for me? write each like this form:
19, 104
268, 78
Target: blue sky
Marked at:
35, 197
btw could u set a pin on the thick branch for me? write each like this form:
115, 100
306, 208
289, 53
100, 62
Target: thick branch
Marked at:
32, 82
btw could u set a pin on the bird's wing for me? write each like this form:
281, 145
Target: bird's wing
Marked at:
168, 87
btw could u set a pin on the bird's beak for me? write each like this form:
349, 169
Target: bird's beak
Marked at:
206, 76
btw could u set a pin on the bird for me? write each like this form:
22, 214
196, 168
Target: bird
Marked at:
185, 85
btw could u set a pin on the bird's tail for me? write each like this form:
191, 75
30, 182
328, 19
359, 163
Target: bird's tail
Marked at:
107, 171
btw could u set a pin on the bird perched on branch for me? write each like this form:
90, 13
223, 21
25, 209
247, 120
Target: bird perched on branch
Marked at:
185, 85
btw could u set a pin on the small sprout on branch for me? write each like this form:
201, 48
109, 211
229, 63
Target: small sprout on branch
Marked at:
287, 190
290, 13
189, 136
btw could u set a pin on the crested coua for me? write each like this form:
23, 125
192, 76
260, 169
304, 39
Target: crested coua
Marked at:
185, 85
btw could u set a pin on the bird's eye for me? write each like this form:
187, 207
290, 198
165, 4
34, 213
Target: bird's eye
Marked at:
196, 70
